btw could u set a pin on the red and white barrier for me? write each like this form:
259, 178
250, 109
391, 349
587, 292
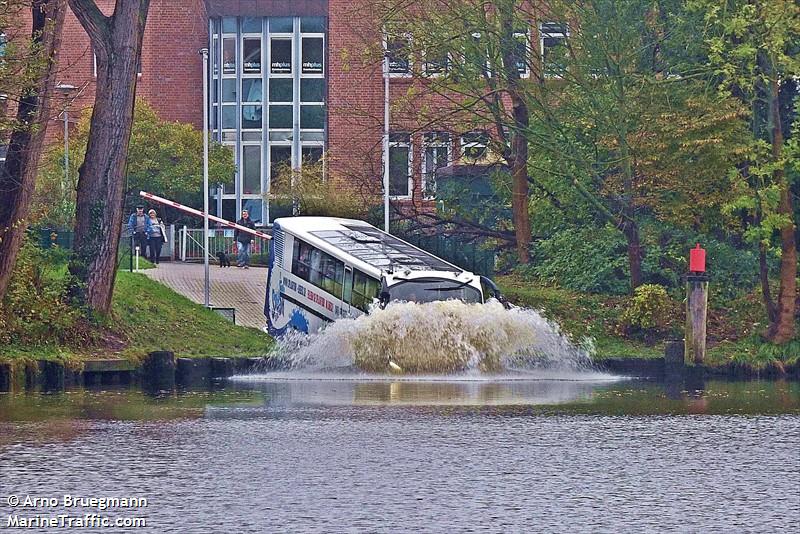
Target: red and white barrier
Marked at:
198, 213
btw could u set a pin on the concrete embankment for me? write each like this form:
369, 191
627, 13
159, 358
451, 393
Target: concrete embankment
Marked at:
159, 370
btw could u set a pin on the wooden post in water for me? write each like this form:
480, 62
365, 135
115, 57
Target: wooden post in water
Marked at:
696, 307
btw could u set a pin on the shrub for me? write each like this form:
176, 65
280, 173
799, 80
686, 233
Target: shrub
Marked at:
34, 310
583, 259
649, 312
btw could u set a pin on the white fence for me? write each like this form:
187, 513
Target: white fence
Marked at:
190, 245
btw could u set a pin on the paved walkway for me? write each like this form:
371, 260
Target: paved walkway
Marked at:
231, 287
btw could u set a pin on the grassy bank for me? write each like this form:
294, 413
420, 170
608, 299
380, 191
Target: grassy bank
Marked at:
149, 316
734, 326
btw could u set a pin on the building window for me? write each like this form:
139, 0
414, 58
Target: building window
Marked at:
397, 56
229, 55
280, 117
312, 90
267, 72
251, 90
312, 117
251, 55
435, 64
281, 62
251, 170
553, 39
281, 90
311, 155
313, 55
476, 57
400, 184
280, 160
522, 52
474, 146
435, 156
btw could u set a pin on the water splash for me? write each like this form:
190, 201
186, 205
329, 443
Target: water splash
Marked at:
437, 337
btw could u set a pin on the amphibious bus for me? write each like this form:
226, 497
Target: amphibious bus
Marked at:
325, 268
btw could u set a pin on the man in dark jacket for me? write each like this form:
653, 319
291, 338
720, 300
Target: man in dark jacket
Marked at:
243, 240
138, 225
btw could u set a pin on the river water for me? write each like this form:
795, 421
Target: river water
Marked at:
304, 453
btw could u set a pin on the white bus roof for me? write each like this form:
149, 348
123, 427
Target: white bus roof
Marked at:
373, 250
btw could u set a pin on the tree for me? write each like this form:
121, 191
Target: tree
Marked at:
477, 79
18, 174
753, 46
117, 41
164, 158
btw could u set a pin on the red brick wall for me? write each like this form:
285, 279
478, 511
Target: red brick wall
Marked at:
171, 79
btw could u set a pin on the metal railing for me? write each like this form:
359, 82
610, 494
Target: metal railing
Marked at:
190, 245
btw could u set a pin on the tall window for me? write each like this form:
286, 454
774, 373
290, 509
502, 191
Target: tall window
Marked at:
522, 52
398, 55
435, 156
553, 40
400, 184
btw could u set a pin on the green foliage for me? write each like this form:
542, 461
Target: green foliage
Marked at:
164, 158
313, 193
583, 259
650, 311
21, 60
34, 309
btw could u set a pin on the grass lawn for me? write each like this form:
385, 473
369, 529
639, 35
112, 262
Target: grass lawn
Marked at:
148, 316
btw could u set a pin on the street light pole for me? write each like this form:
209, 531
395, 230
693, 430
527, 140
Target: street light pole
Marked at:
65, 89
386, 139
206, 288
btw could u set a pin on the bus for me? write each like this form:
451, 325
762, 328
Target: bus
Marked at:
325, 268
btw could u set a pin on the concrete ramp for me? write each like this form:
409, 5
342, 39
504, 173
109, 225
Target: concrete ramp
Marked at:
231, 287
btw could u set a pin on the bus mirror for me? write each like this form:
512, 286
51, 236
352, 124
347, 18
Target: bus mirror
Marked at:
383, 299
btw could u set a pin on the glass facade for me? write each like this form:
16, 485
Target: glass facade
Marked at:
267, 101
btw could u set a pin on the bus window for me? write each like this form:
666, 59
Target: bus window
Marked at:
317, 267
365, 289
347, 294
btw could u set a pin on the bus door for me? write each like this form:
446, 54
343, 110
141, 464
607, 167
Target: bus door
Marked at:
347, 291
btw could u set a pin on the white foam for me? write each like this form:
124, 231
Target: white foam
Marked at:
445, 338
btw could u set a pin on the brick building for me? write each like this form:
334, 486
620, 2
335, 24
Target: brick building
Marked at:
289, 82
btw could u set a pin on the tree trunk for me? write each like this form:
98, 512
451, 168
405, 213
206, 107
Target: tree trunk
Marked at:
631, 231
18, 174
519, 173
782, 329
519, 142
763, 275
117, 41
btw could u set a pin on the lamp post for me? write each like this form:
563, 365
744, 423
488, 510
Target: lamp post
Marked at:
65, 89
386, 139
206, 288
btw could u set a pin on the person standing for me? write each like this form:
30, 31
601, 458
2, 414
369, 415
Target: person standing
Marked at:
138, 225
243, 240
156, 236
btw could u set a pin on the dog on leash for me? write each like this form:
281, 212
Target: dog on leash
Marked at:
223, 259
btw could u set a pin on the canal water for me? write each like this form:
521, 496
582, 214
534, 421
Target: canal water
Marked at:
300, 452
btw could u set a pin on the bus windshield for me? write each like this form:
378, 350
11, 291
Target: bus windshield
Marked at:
432, 289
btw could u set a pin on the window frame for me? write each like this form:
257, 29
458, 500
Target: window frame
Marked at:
403, 144
435, 144
473, 144
563, 34
387, 71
